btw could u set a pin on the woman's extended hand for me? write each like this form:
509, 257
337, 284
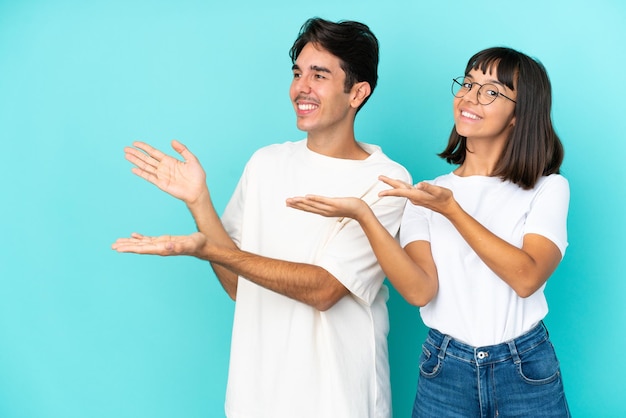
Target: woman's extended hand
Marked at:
436, 198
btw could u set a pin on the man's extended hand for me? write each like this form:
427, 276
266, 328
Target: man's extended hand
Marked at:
341, 207
164, 245
185, 180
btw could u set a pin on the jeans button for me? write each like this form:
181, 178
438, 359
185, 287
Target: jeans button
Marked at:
482, 354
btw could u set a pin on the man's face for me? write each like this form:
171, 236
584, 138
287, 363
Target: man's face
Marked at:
317, 92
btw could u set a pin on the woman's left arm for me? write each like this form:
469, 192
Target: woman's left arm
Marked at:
524, 269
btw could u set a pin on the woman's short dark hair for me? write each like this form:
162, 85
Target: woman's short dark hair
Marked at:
533, 149
352, 42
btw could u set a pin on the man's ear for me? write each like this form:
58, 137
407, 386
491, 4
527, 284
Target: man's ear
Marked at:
359, 92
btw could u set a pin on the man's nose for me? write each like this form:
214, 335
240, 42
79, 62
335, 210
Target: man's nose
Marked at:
302, 84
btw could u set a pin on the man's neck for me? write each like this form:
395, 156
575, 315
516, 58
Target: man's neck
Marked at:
347, 149
336, 144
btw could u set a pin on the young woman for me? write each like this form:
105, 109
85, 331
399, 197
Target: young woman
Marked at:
477, 246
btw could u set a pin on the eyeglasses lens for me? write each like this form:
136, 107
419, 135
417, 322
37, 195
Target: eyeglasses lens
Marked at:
460, 87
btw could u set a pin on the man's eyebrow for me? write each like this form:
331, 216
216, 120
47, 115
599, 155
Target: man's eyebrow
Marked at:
313, 68
321, 69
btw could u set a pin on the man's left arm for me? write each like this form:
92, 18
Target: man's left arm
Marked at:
306, 283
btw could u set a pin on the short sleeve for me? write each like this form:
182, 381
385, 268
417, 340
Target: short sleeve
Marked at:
415, 225
349, 256
548, 212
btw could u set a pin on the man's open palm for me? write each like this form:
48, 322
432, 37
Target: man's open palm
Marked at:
185, 180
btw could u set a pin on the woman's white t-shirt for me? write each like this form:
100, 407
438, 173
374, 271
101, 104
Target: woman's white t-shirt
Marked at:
474, 305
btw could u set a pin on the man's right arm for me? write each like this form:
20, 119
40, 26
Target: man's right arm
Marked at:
184, 180
209, 223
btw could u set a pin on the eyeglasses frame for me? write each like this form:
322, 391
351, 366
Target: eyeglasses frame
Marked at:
454, 80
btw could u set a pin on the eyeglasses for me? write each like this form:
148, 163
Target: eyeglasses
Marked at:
487, 93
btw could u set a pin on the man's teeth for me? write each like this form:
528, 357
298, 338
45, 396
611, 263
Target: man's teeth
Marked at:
469, 115
307, 106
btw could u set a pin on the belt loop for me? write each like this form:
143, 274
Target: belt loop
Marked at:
514, 352
444, 347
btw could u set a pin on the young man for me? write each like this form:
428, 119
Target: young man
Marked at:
310, 329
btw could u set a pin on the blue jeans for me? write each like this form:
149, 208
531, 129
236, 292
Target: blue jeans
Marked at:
518, 378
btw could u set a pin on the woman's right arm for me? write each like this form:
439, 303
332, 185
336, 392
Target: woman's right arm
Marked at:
411, 271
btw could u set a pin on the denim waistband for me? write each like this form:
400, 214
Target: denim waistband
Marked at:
492, 353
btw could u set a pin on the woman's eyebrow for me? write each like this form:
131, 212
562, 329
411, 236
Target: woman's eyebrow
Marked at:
489, 81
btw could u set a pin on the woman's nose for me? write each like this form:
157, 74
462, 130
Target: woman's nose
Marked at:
472, 95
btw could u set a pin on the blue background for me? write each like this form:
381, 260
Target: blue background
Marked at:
87, 332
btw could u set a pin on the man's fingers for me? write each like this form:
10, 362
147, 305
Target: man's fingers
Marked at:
144, 174
150, 150
184, 152
141, 161
146, 246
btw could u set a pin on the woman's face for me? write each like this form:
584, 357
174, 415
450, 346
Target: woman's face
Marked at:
476, 121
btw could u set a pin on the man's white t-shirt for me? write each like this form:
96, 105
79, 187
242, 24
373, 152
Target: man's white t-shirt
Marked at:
473, 304
288, 359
